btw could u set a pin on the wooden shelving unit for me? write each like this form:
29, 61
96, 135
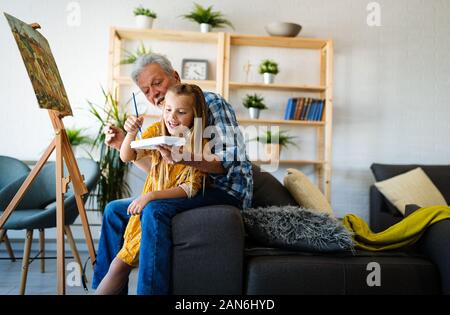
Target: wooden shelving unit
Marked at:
221, 83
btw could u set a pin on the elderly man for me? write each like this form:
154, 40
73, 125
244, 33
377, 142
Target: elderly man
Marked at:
228, 168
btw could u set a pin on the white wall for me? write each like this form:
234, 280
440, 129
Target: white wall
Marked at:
392, 83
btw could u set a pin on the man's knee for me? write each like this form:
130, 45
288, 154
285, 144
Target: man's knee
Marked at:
115, 209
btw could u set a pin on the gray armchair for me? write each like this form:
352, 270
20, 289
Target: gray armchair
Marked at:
11, 169
37, 209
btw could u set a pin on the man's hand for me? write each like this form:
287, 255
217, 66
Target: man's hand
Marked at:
114, 136
138, 204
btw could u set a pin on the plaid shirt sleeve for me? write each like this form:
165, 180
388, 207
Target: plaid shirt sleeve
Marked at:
229, 146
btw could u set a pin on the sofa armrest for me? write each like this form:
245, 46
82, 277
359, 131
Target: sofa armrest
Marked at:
435, 244
380, 216
208, 251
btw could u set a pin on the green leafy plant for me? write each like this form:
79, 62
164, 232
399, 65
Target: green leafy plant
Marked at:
205, 15
144, 11
280, 138
112, 184
268, 66
254, 101
131, 57
76, 138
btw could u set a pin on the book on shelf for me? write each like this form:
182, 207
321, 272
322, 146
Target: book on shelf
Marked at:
304, 108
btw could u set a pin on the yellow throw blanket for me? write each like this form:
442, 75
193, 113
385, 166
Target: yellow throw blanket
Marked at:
404, 233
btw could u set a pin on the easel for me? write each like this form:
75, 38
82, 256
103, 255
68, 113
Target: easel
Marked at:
65, 154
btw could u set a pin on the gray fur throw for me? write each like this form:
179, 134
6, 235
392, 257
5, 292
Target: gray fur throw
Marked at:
297, 228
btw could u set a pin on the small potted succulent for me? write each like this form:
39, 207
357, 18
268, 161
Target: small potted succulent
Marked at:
207, 18
144, 17
268, 68
275, 142
131, 57
255, 104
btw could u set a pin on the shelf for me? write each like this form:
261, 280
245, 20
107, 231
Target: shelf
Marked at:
266, 121
165, 35
281, 87
284, 42
207, 83
281, 122
298, 162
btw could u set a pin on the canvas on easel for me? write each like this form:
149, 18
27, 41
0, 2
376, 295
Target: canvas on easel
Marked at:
51, 95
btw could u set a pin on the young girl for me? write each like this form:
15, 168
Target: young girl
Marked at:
183, 103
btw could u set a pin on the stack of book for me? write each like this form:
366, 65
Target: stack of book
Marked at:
304, 108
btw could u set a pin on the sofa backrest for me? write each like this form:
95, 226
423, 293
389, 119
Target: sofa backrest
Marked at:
439, 174
268, 191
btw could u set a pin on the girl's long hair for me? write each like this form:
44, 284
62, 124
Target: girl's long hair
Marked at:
195, 141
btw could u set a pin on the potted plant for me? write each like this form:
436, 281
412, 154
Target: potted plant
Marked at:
131, 57
255, 104
207, 18
76, 138
112, 184
268, 68
275, 142
144, 17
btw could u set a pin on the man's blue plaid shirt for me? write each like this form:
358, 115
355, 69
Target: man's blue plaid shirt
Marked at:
229, 145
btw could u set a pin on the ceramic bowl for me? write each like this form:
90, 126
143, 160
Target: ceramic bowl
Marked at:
283, 29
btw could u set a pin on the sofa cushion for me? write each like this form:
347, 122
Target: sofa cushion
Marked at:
268, 191
439, 175
297, 229
305, 192
413, 187
335, 274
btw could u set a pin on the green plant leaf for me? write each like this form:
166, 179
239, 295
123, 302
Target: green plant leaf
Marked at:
112, 184
205, 15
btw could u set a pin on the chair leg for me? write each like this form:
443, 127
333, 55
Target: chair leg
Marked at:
73, 248
42, 248
25, 261
4, 238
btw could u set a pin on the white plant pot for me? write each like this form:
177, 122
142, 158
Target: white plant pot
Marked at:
143, 21
269, 78
254, 112
205, 28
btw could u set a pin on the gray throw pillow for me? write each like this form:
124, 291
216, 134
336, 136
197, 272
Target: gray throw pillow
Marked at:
296, 228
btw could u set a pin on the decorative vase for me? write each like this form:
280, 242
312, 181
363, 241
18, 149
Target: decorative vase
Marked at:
273, 151
254, 112
205, 28
143, 21
268, 78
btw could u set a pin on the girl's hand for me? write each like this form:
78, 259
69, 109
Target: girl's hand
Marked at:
170, 154
138, 204
133, 124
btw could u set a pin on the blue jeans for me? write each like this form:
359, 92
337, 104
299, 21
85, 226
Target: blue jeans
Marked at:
156, 239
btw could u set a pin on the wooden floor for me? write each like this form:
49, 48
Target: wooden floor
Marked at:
44, 283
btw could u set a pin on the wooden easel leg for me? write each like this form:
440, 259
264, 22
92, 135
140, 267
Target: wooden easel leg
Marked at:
26, 261
79, 189
73, 247
42, 248
4, 238
60, 266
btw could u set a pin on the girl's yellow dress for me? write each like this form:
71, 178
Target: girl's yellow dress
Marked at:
160, 177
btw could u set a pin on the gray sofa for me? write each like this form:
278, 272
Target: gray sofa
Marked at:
213, 255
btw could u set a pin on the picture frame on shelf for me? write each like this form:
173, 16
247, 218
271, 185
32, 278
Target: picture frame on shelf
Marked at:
194, 69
